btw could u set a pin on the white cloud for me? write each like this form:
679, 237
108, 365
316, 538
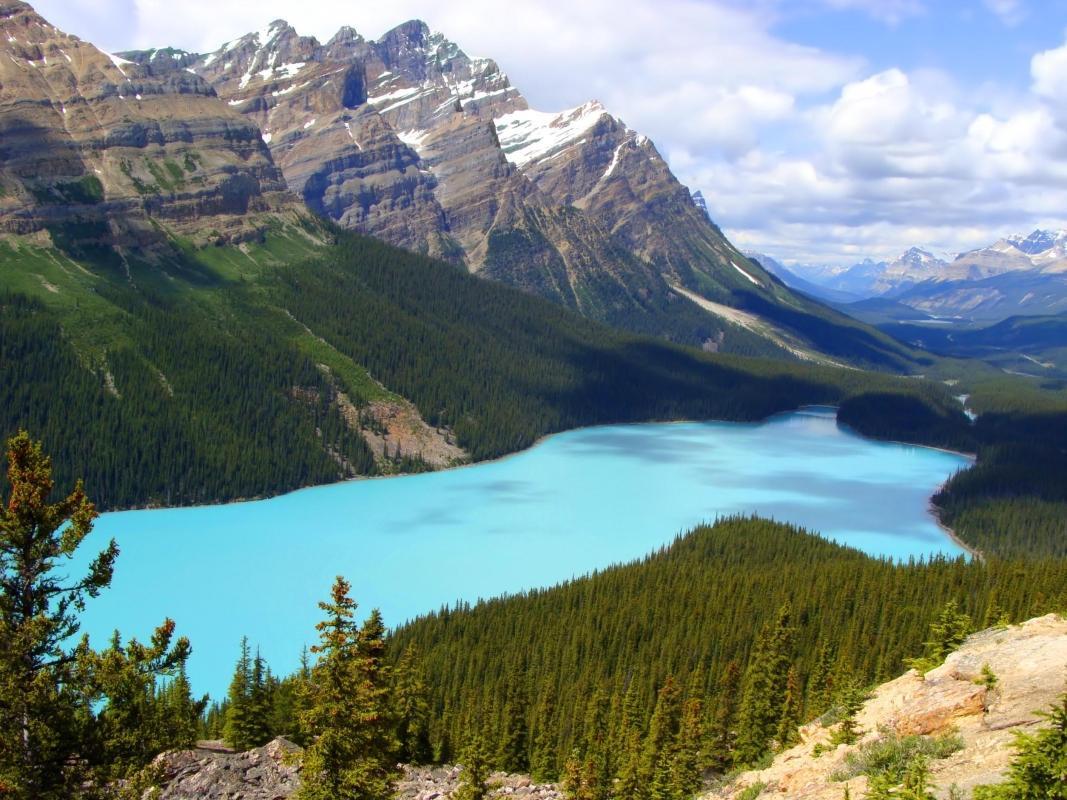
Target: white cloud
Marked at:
1011, 12
806, 153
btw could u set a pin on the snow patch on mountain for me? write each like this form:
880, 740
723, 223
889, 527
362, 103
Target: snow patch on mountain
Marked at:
529, 136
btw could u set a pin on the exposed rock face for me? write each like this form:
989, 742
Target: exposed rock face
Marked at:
411, 140
272, 772
266, 773
1029, 661
93, 147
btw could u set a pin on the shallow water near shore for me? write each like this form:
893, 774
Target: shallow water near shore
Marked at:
575, 502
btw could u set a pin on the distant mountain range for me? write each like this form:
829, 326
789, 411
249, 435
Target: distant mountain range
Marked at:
1015, 275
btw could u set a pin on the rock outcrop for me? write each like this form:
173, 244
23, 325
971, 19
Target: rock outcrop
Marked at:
98, 150
272, 772
1030, 663
266, 773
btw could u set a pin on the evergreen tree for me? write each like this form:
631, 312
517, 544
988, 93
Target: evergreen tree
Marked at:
821, 684
140, 718
654, 774
850, 700
765, 687
352, 751
947, 633
543, 765
260, 703
42, 694
628, 771
411, 709
721, 743
474, 777
513, 755
589, 774
688, 748
1039, 769
792, 709
239, 725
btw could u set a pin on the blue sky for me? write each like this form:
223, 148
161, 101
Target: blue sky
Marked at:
819, 130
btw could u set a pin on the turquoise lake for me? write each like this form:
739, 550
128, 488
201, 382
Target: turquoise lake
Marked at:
573, 503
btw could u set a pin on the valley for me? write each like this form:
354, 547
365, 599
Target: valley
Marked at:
371, 430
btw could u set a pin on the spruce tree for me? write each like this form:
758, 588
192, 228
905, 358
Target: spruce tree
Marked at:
1039, 769
543, 764
513, 755
237, 726
821, 684
947, 632
723, 726
689, 755
411, 709
792, 709
43, 704
631, 734
474, 777
765, 685
654, 774
351, 755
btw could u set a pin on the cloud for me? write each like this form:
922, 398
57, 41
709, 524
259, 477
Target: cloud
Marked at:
800, 150
1011, 12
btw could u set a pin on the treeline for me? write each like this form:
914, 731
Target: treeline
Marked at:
687, 618
209, 391
1013, 502
83, 724
195, 413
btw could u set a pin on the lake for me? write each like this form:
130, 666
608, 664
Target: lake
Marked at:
573, 503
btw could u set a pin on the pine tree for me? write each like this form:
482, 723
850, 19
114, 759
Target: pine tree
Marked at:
42, 694
850, 699
140, 718
821, 684
411, 709
765, 686
792, 709
474, 777
589, 774
513, 755
543, 765
721, 742
628, 771
654, 774
259, 701
947, 633
237, 727
352, 750
688, 747
1039, 769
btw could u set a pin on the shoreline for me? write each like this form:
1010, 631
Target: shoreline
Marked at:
932, 509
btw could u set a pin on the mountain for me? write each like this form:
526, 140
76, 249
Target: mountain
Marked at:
99, 152
411, 140
871, 278
791, 279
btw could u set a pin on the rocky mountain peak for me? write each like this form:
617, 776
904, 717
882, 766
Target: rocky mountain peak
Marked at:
1039, 241
918, 258
107, 141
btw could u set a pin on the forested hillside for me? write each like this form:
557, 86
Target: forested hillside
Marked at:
231, 372
729, 631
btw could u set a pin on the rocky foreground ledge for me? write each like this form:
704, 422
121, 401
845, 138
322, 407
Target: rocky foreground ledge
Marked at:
1029, 661
269, 773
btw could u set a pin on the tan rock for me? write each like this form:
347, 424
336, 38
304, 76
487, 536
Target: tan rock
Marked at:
1030, 662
